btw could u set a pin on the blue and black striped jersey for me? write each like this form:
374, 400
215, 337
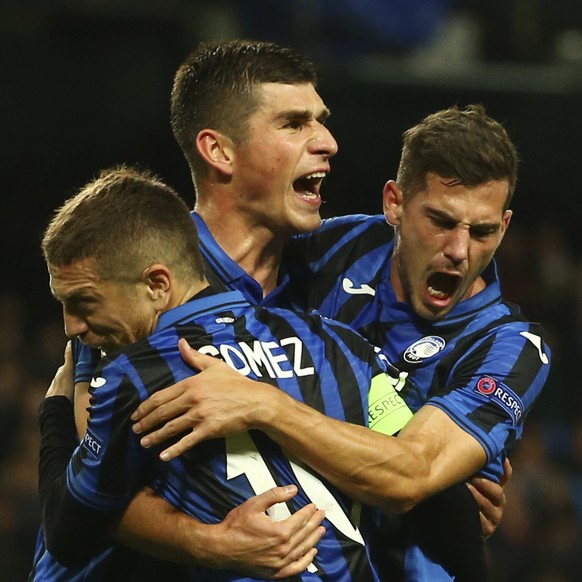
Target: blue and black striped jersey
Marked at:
483, 364
320, 362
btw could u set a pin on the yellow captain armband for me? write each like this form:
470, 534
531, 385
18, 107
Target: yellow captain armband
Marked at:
387, 411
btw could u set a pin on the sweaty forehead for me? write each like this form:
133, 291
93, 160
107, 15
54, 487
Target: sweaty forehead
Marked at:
487, 199
70, 280
302, 97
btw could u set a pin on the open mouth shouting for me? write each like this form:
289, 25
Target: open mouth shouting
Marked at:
308, 187
442, 288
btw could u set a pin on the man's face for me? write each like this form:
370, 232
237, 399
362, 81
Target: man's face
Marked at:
280, 168
104, 314
445, 237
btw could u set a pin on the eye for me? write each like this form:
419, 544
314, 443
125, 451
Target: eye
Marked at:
80, 306
483, 231
442, 222
294, 124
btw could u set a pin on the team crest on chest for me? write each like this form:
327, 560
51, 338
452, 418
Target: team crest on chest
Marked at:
424, 348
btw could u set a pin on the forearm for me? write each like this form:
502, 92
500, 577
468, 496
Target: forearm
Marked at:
388, 472
369, 467
68, 536
247, 541
172, 535
58, 440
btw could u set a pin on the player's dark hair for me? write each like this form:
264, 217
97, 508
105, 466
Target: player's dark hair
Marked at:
126, 220
216, 88
462, 144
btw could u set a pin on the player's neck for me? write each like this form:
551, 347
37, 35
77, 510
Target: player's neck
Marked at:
255, 248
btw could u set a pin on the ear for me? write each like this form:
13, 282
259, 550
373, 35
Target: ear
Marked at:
216, 150
505, 222
392, 202
159, 281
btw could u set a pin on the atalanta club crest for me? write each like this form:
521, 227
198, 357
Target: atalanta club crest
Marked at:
424, 348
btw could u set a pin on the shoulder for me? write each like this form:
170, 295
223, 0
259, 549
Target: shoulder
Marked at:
340, 230
318, 329
340, 242
349, 221
367, 230
145, 363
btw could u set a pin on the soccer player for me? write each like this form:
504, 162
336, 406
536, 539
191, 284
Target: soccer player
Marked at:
251, 124
426, 292
123, 260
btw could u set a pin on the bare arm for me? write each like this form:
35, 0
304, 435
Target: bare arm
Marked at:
430, 454
247, 541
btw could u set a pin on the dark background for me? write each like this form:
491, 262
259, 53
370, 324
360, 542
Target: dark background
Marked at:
85, 85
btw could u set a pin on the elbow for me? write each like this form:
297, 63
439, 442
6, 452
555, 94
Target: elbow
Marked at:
403, 501
408, 503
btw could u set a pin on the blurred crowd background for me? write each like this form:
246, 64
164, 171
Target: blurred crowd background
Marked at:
86, 83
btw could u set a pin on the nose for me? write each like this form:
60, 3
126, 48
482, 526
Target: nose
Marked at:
74, 326
456, 248
324, 142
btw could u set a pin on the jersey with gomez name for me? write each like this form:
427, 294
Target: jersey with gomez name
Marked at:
322, 363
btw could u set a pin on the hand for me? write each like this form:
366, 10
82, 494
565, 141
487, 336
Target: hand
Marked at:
217, 402
82, 404
247, 540
490, 498
256, 545
63, 383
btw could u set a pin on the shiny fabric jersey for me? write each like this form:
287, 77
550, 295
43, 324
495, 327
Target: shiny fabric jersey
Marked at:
483, 364
322, 363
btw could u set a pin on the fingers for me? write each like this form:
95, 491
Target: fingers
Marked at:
268, 498
490, 493
306, 531
194, 358
184, 444
168, 430
267, 548
304, 525
67, 368
69, 355
298, 566
507, 472
63, 382
156, 408
308, 534
490, 505
303, 544
171, 401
